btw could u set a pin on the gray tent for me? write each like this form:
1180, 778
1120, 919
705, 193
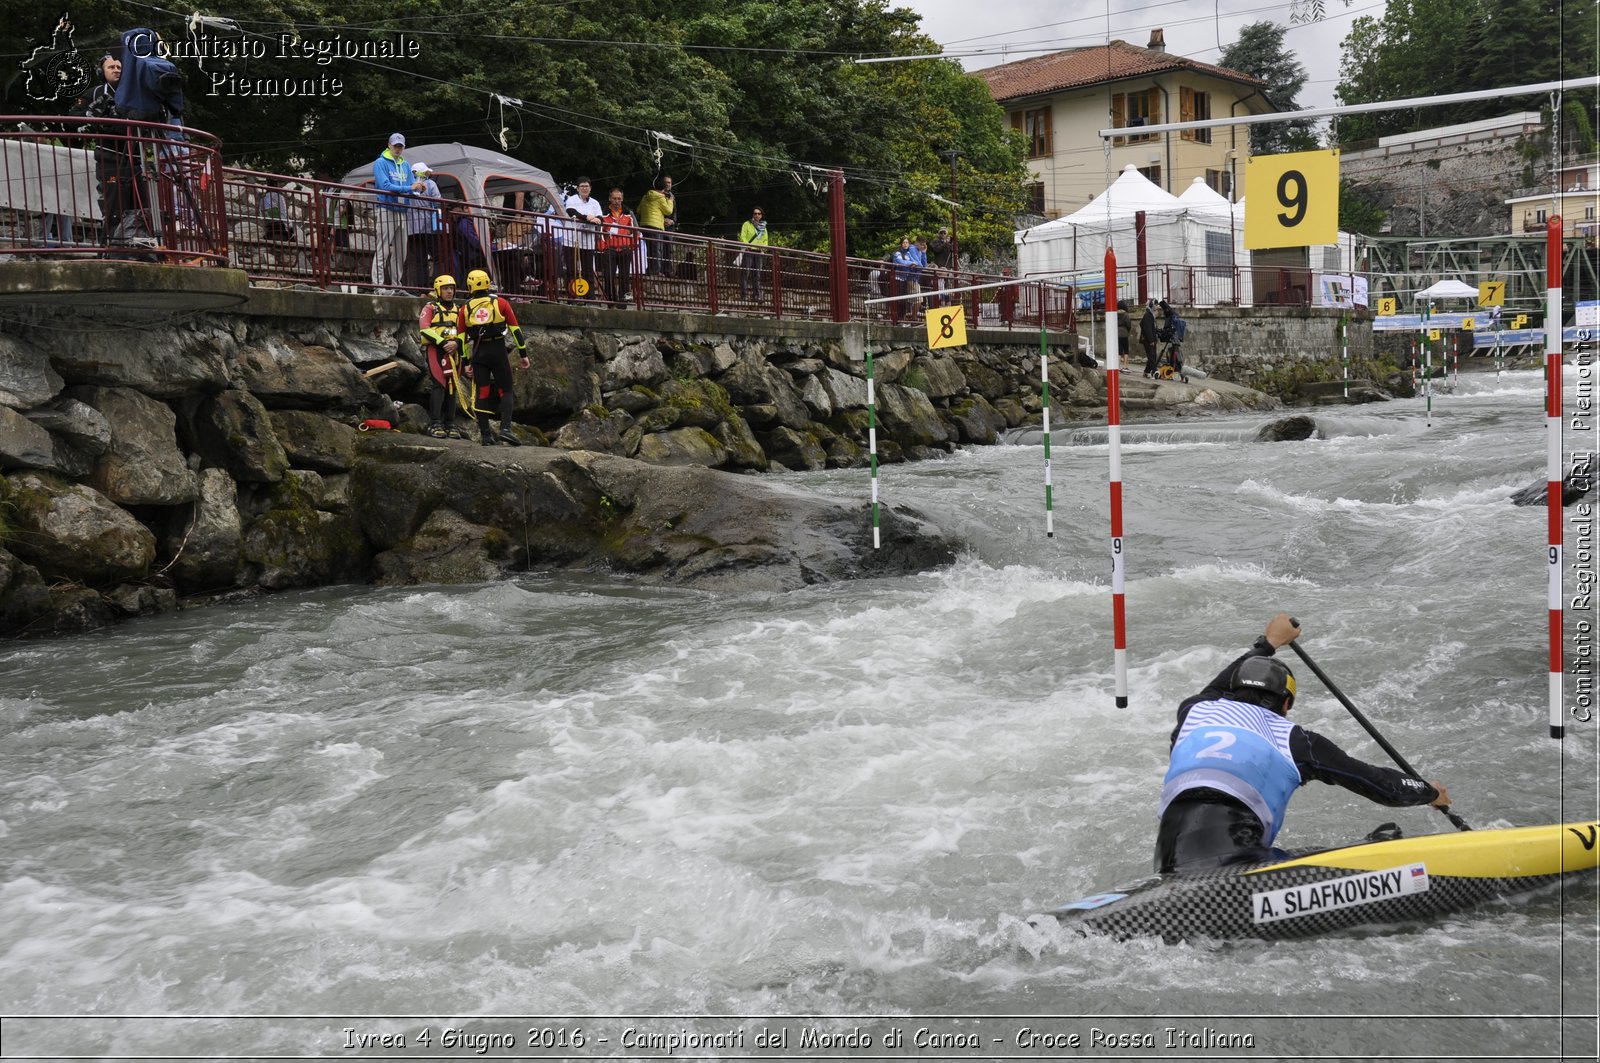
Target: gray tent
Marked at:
479, 177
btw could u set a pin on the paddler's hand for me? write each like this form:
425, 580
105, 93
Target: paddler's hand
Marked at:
525, 362
1443, 800
450, 346
1282, 630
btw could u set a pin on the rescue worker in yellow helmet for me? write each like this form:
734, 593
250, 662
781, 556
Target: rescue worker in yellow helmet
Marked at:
446, 358
485, 320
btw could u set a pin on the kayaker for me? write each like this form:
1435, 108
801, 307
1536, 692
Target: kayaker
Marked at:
1236, 761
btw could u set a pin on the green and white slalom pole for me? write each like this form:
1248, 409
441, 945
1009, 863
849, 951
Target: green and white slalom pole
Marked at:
1499, 361
872, 438
1344, 344
1044, 394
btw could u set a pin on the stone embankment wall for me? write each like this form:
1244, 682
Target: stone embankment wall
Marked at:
148, 452
153, 448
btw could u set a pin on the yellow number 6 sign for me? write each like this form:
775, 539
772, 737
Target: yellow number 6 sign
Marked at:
1292, 200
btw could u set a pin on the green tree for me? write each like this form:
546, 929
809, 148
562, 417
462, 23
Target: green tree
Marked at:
1259, 52
1436, 47
757, 96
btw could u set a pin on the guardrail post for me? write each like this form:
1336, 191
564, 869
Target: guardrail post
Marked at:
838, 267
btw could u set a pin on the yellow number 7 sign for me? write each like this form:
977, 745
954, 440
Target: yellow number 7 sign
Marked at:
1291, 200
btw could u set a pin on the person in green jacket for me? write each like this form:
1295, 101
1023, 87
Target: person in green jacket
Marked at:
657, 213
752, 233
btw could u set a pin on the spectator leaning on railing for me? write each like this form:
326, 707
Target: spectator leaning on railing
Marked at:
657, 210
422, 229
619, 243
393, 177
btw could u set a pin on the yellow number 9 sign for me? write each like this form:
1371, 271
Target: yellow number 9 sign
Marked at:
1292, 200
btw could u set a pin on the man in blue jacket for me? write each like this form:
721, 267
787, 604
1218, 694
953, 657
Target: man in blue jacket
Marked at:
394, 179
1236, 761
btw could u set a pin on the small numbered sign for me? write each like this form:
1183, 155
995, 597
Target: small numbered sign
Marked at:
1433, 334
947, 327
1491, 293
1469, 323
1519, 321
1386, 305
1292, 200
579, 287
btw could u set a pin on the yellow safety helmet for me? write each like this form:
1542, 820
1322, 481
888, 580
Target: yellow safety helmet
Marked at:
477, 281
441, 281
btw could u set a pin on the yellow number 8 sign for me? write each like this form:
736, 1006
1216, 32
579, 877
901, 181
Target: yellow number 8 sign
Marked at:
1292, 200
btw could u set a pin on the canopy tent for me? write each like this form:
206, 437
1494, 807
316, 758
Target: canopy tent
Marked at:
479, 177
1449, 290
1177, 233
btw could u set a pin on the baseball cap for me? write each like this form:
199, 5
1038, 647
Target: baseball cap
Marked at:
397, 138
421, 167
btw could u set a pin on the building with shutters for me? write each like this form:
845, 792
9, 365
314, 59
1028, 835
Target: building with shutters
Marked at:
1061, 101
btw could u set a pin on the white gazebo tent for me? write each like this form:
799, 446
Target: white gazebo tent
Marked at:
1175, 235
1448, 289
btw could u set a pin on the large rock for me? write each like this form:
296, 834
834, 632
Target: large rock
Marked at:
1577, 485
167, 363
24, 598
233, 431
314, 440
889, 366
1287, 429
743, 450
590, 431
23, 444
844, 390
287, 374
675, 524
909, 417
73, 532
794, 450
143, 465
206, 542
682, 446
815, 398
446, 549
636, 361
75, 423
26, 377
752, 383
700, 403
976, 420
294, 544
563, 377
935, 375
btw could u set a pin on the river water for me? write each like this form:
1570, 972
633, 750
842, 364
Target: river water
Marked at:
306, 823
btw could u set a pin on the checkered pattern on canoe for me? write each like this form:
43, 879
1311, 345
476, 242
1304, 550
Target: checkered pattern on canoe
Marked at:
1218, 904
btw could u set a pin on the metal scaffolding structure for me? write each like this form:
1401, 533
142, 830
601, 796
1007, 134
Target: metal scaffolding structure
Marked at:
1400, 266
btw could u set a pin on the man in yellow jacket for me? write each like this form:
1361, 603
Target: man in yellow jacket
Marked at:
657, 211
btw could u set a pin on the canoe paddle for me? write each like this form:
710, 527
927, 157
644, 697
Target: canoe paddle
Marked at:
1460, 823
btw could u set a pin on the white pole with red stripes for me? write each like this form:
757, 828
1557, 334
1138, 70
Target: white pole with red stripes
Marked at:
1553, 456
1119, 604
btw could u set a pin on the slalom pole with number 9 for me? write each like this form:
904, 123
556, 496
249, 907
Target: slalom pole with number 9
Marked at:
1119, 602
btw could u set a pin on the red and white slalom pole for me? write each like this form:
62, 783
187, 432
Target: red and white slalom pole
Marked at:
1119, 604
1553, 455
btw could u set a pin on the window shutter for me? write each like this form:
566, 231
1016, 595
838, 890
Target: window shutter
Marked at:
1049, 138
1016, 120
1119, 116
1186, 109
1155, 108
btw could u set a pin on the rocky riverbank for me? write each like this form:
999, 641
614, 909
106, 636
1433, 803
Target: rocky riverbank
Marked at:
219, 454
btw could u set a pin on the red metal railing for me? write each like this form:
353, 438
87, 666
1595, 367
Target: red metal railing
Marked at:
109, 187
172, 199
